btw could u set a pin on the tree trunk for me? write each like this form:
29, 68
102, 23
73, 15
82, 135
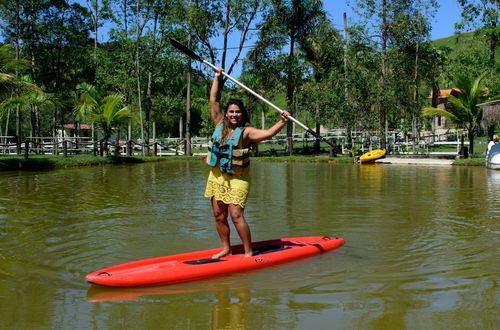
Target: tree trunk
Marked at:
415, 112
187, 150
54, 133
18, 130
18, 110
263, 118
145, 147
493, 40
290, 95
149, 107
95, 16
382, 106
471, 134
348, 127
105, 147
317, 147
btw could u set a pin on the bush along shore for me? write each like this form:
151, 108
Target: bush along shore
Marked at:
44, 162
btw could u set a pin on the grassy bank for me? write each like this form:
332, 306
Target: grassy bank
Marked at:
306, 159
42, 162
475, 161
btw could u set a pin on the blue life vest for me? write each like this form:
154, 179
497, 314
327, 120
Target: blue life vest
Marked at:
229, 155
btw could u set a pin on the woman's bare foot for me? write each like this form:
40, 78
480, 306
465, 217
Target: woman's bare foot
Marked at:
223, 253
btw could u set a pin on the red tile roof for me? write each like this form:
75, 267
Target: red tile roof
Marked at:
82, 126
443, 93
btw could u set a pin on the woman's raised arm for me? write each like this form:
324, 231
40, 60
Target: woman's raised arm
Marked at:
215, 112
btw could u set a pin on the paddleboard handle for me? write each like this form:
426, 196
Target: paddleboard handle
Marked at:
104, 273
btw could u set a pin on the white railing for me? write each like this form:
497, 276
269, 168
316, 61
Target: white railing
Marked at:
397, 142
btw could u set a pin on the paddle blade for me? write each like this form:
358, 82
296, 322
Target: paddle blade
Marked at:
185, 50
316, 135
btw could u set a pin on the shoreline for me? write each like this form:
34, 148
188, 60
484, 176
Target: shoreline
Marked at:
47, 162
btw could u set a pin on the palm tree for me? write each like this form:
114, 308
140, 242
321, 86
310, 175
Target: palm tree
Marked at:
9, 66
11, 85
107, 113
465, 113
26, 101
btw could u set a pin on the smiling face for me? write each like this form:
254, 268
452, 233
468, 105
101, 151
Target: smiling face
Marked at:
234, 115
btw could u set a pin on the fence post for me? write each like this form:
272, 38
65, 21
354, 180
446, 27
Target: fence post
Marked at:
65, 148
101, 148
26, 149
332, 148
129, 148
155, 150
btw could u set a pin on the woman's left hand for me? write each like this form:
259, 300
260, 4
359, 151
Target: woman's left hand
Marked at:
284, 115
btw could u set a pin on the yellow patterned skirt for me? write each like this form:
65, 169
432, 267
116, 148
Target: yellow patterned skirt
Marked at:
230, 189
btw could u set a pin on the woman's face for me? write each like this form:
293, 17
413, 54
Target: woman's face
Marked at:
234, 114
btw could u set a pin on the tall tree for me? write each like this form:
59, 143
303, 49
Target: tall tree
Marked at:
164, 21
14, 90
323, 49
100, 11
399, 27
289, 23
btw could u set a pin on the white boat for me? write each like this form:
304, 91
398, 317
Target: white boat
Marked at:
493, 159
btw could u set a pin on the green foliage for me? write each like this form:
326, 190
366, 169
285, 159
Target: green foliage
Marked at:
468, 54
106, 112
9, 67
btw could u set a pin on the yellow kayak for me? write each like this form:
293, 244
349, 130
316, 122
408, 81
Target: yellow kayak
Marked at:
371, 156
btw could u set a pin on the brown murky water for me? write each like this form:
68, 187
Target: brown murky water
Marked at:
421, 247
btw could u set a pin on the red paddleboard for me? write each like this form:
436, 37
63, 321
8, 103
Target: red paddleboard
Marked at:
197, 265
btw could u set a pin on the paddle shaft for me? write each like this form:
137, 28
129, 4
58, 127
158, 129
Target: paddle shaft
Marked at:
194, 56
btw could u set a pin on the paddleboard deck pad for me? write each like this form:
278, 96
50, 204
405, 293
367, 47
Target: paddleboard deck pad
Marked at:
198, 265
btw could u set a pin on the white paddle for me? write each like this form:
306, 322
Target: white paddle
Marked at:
195, 56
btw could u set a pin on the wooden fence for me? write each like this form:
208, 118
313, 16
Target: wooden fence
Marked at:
397, 142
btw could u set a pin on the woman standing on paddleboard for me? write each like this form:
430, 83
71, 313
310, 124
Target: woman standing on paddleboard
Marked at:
228, 181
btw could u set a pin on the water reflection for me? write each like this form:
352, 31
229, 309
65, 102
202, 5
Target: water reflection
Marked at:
227, 312
106, 294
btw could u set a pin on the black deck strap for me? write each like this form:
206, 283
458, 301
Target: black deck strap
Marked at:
202, 261
266, 249
269, 249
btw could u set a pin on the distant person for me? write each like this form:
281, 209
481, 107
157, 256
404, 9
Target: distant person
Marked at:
228, 181
491, 144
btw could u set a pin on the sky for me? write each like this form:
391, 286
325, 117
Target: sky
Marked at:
442, 25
